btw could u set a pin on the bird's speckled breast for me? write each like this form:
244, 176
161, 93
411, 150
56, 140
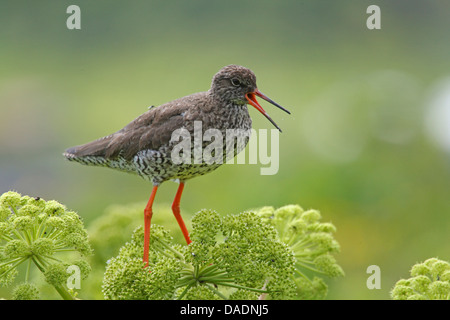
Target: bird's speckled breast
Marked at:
233, 121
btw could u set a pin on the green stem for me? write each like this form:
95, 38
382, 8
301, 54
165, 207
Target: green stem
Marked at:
16, 263
64, 250
214, 279
300, 264
54, 234
185, 281
166, 246
234, 285
18, 235
220, 294
302, 275
6, 237
6, 262
59, 288
63, 292
303, 244
27, 275
28, 237
184, 292
41, 229
211, 268
52, 258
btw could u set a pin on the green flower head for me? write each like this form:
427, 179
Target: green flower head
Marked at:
251, 255
25, 291
40, 233
430, 280
312, 244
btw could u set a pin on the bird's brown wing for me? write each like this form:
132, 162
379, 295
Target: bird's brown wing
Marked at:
151, 130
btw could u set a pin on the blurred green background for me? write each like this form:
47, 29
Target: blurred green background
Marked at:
367, 144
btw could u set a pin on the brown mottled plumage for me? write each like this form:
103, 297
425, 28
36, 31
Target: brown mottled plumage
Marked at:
144, 146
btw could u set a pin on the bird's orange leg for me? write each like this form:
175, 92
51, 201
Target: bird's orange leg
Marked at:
147, 221
176, 212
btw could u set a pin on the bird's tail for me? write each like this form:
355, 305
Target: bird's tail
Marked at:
92, 153
100, 153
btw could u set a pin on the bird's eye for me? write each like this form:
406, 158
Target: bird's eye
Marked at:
235, 82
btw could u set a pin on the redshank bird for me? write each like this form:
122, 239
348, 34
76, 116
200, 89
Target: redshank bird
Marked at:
144, 146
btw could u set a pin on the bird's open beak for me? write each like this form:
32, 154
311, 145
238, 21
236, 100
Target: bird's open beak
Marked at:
251, 97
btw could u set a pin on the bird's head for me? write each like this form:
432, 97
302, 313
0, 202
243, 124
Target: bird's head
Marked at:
237, 85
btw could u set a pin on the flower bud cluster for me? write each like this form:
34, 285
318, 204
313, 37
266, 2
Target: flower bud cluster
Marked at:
251, 255
430, 280
40, 233
232, 257
312, 243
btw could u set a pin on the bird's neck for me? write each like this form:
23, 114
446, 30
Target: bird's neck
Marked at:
229, 113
